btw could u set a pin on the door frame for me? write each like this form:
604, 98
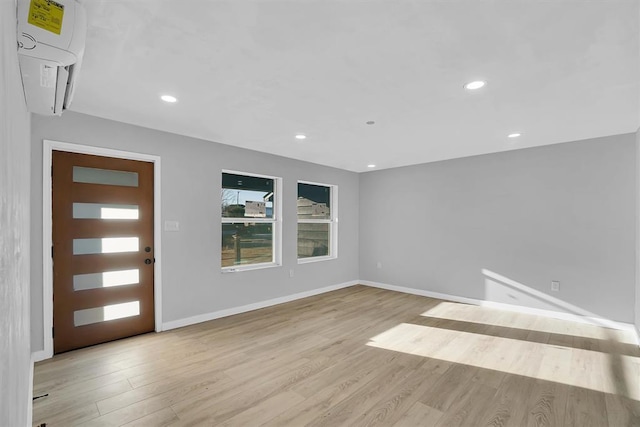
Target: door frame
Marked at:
47, 227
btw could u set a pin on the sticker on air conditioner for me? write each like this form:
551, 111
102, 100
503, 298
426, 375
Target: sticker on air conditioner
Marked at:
46, 14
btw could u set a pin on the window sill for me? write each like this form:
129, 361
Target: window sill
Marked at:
240, 268
315, 259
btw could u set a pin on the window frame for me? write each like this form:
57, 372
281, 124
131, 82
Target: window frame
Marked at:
332, 221
276, 221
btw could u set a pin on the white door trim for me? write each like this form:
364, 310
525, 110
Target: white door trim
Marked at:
47, 240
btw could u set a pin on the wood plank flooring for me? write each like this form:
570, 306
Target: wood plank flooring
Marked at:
354, 357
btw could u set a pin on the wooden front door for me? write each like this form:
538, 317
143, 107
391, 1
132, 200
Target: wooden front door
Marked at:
102, 249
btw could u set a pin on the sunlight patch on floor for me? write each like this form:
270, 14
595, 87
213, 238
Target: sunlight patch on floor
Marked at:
490, 316
572, 366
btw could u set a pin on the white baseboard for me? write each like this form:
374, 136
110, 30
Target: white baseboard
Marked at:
250, 307
598, 321
42, 354
39, 355
420, 292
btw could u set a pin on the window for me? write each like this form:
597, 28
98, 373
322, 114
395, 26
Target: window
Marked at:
250, 221
317, 221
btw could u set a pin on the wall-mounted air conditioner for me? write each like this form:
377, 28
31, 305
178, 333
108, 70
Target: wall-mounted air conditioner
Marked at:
51, 37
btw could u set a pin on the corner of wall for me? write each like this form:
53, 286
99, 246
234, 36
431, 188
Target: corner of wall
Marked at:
15, 350
637, 234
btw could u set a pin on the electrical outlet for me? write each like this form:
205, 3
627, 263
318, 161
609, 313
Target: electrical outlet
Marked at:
379, 264
291, 273
555, 285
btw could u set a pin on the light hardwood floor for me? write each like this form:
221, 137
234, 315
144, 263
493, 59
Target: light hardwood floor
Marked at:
357, 356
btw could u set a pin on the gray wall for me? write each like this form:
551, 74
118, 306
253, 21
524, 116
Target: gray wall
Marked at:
15, 354
561, 212
637, 259
191, 181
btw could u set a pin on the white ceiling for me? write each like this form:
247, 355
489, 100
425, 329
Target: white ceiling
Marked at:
254, 73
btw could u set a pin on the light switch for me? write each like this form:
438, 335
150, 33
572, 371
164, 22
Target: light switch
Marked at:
171, 226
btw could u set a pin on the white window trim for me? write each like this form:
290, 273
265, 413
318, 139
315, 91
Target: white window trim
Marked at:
333, 225
276, 221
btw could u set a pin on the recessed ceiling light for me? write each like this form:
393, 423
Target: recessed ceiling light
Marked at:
301, 136
169, 98
477, 84
371, 122
514, 135
371, 166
